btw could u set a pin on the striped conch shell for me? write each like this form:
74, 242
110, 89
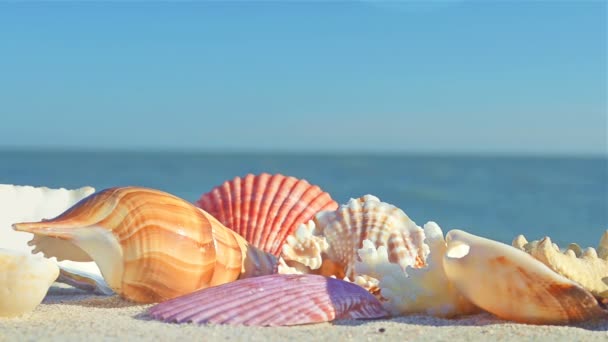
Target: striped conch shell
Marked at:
415, 290
24, 281
328, 244
265, 209
272, 300
151, 246
512, 285
588, 267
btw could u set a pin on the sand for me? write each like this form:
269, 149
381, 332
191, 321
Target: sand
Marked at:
69, 314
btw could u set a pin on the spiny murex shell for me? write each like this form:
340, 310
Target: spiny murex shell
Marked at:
328, 244
265, 209
587, 267
24, 281
415, 290
152, 246
513, 285
20, 203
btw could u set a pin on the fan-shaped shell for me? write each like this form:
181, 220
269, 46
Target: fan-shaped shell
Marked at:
587, 267
328, 244
152, 246
265, 209
273, 300
512, 284
24, 281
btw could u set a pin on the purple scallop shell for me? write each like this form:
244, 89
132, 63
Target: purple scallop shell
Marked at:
272, 300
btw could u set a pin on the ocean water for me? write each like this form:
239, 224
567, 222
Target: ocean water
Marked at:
497, 197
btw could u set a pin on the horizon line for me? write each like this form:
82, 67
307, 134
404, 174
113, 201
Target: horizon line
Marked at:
311, 152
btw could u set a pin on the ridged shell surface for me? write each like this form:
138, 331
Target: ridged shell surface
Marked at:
328, 244
513, 285
265, 209
152, 246
273, 300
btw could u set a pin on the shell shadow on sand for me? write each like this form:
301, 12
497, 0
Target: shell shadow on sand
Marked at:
477, 320
64, 294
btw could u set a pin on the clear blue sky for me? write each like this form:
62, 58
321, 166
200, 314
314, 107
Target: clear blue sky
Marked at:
510, 77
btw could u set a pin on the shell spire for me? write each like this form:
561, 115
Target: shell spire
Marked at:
150, 245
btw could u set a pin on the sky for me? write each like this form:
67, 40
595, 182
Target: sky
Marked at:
361, 76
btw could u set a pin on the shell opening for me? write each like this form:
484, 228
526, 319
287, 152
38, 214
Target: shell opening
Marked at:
457, 250
97, 242
103, 247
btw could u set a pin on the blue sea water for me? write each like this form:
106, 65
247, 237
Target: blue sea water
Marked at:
497, 197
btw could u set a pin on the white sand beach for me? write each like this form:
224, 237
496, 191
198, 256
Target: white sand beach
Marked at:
69, 314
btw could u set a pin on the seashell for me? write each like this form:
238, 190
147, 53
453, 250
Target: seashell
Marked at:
521, 243
151, 246
512, 285
83, 275
587, 267
24, 281
415, 290
328, 244
27, 203
272, 300
265, 209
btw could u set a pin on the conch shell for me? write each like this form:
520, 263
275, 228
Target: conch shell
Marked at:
24, 281
588, 267
415, 290
151, 246
265, 209
328, 244
512, 285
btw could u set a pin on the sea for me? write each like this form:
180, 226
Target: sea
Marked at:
499, 197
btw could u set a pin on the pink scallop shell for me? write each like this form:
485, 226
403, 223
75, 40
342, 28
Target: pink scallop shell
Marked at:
272, 300
265, 209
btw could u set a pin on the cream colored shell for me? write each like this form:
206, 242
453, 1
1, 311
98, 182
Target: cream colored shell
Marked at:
328, 244
513, 285
24, 281
415, 290
588, 267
